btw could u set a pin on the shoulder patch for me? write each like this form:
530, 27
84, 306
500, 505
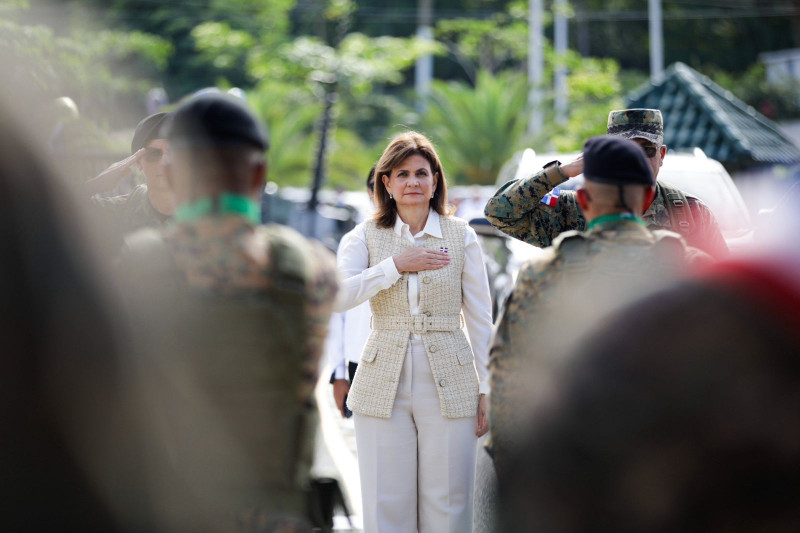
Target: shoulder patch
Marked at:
573, 248
572, 235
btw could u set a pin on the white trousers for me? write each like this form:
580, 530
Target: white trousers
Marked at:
417, 468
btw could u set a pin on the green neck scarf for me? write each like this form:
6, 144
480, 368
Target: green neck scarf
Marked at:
614, 217
225, 203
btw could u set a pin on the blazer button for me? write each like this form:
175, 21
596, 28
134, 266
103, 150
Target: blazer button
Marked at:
432, 348
427, 313
441, 382
426, 280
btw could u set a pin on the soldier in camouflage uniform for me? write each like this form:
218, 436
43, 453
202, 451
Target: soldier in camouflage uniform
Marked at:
232, 316
583, 277
150, 204
678, 414
517, 208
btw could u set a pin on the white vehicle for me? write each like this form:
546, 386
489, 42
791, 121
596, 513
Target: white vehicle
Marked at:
692, 172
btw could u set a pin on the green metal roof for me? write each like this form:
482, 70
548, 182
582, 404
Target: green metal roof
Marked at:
699, 113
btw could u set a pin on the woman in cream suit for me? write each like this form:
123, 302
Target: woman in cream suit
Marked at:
419, 395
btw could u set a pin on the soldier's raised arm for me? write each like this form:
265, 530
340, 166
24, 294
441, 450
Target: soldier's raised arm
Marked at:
518, 209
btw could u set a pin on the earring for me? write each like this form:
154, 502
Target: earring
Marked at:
391, 197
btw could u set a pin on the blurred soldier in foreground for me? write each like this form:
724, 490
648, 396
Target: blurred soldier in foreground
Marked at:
148, 205
583, 277
67, 454
680, 414
518, 208
232, 317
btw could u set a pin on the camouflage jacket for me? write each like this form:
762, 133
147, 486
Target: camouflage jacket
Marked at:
235, 316
517, 209
214, 256
129, 212
557, 297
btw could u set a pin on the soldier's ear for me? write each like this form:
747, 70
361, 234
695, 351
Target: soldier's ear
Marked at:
583, 199
259, 175
649, 196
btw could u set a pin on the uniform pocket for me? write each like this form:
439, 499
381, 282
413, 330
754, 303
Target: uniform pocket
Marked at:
369, 354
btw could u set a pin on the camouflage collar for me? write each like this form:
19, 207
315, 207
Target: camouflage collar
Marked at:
657, 214
617, 226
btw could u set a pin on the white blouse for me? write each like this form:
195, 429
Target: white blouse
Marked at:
360, 282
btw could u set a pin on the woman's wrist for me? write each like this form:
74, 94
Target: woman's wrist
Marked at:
397, 264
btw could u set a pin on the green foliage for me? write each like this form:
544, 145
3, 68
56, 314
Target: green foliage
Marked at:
476, 129
781, 100
96, 69
220, 45
356, 64
488, 44
209, 36
350, 159
594, 90
292, 114
728, 35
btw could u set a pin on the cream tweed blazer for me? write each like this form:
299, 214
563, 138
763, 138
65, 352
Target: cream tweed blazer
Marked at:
439, 324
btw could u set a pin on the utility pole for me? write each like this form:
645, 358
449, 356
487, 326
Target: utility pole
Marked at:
560, 37
535, 66
656, 39
423, 70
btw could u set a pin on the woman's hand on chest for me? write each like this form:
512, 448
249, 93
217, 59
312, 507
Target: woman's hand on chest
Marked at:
417, 259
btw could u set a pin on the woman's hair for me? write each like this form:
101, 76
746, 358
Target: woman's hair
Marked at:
401, 148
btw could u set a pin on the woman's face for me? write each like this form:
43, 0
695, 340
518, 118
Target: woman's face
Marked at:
411, 182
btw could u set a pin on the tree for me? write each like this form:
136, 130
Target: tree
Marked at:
476, 129
97, 69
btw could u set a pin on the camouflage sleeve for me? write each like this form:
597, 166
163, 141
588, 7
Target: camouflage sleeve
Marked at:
110, 209
708, 236
517, 209
322, 287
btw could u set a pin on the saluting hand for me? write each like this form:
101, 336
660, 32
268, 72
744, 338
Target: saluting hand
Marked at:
417, 259
574, 167
110, 177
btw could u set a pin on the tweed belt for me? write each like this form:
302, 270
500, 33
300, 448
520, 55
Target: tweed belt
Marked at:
417, 323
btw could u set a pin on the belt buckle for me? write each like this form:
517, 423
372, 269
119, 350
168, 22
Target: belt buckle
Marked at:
420, 326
